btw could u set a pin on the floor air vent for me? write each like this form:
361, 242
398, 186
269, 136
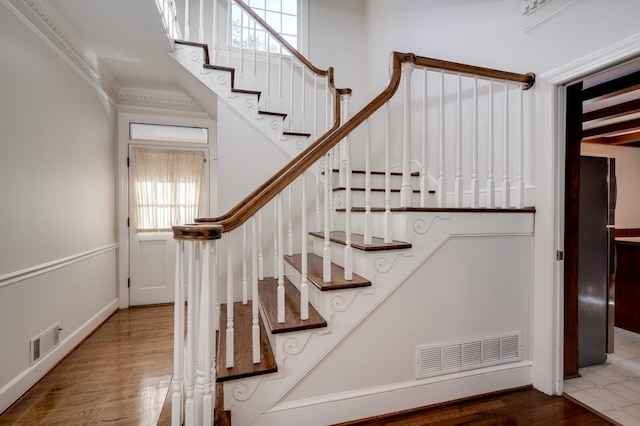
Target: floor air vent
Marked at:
444, 358
45, 342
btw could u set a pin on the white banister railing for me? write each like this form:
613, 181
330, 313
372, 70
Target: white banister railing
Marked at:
457, 114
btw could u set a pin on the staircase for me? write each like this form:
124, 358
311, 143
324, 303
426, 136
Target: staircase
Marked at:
335, 287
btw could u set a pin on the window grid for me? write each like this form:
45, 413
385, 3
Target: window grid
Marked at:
281, 15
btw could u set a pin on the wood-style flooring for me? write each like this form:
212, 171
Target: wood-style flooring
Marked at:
121, 373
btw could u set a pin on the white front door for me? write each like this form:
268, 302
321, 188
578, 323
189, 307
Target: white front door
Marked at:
158, 200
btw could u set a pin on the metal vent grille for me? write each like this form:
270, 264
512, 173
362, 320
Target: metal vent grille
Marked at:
45, 342
450, 357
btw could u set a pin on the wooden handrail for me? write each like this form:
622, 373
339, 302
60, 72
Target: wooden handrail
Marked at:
287, 175
527, 80
273, 33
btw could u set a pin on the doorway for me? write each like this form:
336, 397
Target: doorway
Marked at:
602, 111
167, 177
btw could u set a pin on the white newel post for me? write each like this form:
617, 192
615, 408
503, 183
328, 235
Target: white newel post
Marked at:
194, 372
178, 338
405, 189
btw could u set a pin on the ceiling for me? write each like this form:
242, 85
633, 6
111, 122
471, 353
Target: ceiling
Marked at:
611, 106
127, 37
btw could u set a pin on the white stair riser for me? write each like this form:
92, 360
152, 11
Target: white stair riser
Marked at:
378, 199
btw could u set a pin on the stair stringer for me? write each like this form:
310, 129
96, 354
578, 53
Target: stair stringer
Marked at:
191, 59
259, 400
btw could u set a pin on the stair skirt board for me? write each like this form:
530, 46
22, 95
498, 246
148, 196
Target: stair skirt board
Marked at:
363, 403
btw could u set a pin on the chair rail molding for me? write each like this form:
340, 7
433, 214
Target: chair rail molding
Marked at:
41, 18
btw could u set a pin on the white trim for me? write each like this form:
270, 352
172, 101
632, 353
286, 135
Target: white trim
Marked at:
10, 392
127, 114
548, 296
157, 96
40, 17
14, 277
350, 405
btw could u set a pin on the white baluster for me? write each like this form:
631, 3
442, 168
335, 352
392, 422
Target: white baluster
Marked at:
424, 182
214, 32
268, 71
207, 333
290, 222
458, 181
327, 108
253, 56
442, 194
292, 63
405, 189
255, 321
368, 216
520, 181
186, 19
275, 239
332, 209
315, 136
260, 255
475, 187
241, 66
280, 262
280, 101
491, 185
178, 337
506, 186
348, 249
229, 31
326, 251
302, 89
245, 285
230, 332
199, 333
201, 22
189, 403
387, 174
304, 287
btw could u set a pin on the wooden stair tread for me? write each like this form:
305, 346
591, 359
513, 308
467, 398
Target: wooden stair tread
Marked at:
314, 274
375, 172
219, 68
268, 290
445, 209
204, 47
342, 188
243, 362
278, 114
247, 92
357, 241
296, 134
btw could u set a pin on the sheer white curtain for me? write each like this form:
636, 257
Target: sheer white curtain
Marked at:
168, 187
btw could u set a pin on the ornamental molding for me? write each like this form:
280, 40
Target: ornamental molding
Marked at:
155, 96
41, 18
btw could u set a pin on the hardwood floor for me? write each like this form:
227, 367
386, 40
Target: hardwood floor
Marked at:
121, 374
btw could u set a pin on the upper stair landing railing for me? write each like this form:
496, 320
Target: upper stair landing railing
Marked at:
167, 10
264, 61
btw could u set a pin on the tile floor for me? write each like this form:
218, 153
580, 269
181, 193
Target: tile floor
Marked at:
613, 388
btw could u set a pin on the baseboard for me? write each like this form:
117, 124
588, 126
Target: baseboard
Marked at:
362, 403
21, 383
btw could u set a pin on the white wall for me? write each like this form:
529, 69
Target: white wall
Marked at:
337, 37
627, 177
58, 204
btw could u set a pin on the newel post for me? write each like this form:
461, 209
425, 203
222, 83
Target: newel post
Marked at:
189, 406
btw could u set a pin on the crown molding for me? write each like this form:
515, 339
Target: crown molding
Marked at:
41, 18
153, 96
